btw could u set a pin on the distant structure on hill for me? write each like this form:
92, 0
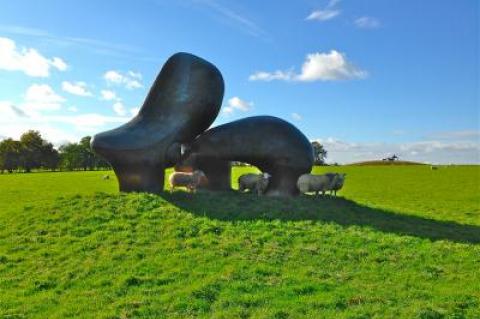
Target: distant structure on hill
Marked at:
392, 158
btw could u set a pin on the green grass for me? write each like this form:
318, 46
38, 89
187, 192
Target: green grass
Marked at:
399, 242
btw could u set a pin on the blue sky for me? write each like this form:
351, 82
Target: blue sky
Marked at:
367, 78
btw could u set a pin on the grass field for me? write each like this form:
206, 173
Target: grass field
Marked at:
399, 242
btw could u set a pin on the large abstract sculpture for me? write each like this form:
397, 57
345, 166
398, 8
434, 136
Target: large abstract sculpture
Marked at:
273, 145
169, 130
183, 102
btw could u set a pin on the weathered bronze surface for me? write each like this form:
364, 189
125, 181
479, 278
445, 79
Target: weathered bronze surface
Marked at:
183, 102
272, 144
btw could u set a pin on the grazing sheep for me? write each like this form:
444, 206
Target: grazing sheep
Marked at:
337, 183
189, 180
254, 182
315, 183
433, 168
105, 177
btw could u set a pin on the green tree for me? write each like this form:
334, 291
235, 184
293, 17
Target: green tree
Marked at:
9, 155
88, 156
50, 157
31, 150
71, 156
319, 153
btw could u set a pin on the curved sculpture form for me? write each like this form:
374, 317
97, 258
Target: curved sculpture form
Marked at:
183, 102
273, 145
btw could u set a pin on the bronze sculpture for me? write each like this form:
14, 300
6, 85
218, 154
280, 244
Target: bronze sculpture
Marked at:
183, 102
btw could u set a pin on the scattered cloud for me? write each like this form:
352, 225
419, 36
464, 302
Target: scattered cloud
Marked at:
97, 46
72, 109
318, 66
428, 151
13, 124
367, 22
108, 95
328, 13
41, 97
119, 108
270, 76
134, 111
233, 18
27, 60
323, 15
76, 88
237, 104
448, 135
129, 80
296, 116
59, 64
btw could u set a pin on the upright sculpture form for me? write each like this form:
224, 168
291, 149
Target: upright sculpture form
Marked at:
182, 103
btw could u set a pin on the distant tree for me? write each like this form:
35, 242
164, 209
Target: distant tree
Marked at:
71, 156
9, 155
50, 157
319, 153
88, 156
32, 149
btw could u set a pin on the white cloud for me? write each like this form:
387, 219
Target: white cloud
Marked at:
135, 75
134, 111
323, 15
41, 97
328, 13
427, 151
448, 135
235, 103
72, 109
108, 95
296, 116
26, 60
270, 76
119, 108
367, 22
318, 66
59, 64
13, 124
77, 88
130, 80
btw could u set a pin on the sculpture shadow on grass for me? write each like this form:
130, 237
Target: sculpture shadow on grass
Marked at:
232, 206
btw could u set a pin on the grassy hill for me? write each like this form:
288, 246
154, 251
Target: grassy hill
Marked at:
400, 242
387, 163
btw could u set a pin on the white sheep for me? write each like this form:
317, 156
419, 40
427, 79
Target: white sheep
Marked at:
315, 183
189, 180
337, 183
254, 182
105, 177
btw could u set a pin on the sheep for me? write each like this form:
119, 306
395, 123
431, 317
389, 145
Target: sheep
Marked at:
189, 180
337, 183
315, 183
105, 177
254, 182
433, 167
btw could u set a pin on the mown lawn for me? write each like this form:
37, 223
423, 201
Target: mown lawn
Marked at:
399, 242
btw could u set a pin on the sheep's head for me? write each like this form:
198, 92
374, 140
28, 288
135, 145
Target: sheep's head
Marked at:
341, 178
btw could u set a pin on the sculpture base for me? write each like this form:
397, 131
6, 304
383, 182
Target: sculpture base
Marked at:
149, 179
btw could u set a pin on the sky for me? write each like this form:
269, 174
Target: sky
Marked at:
366, 78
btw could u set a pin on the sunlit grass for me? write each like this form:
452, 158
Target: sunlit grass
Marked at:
400, 242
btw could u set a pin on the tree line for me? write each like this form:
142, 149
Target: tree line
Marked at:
32, 152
